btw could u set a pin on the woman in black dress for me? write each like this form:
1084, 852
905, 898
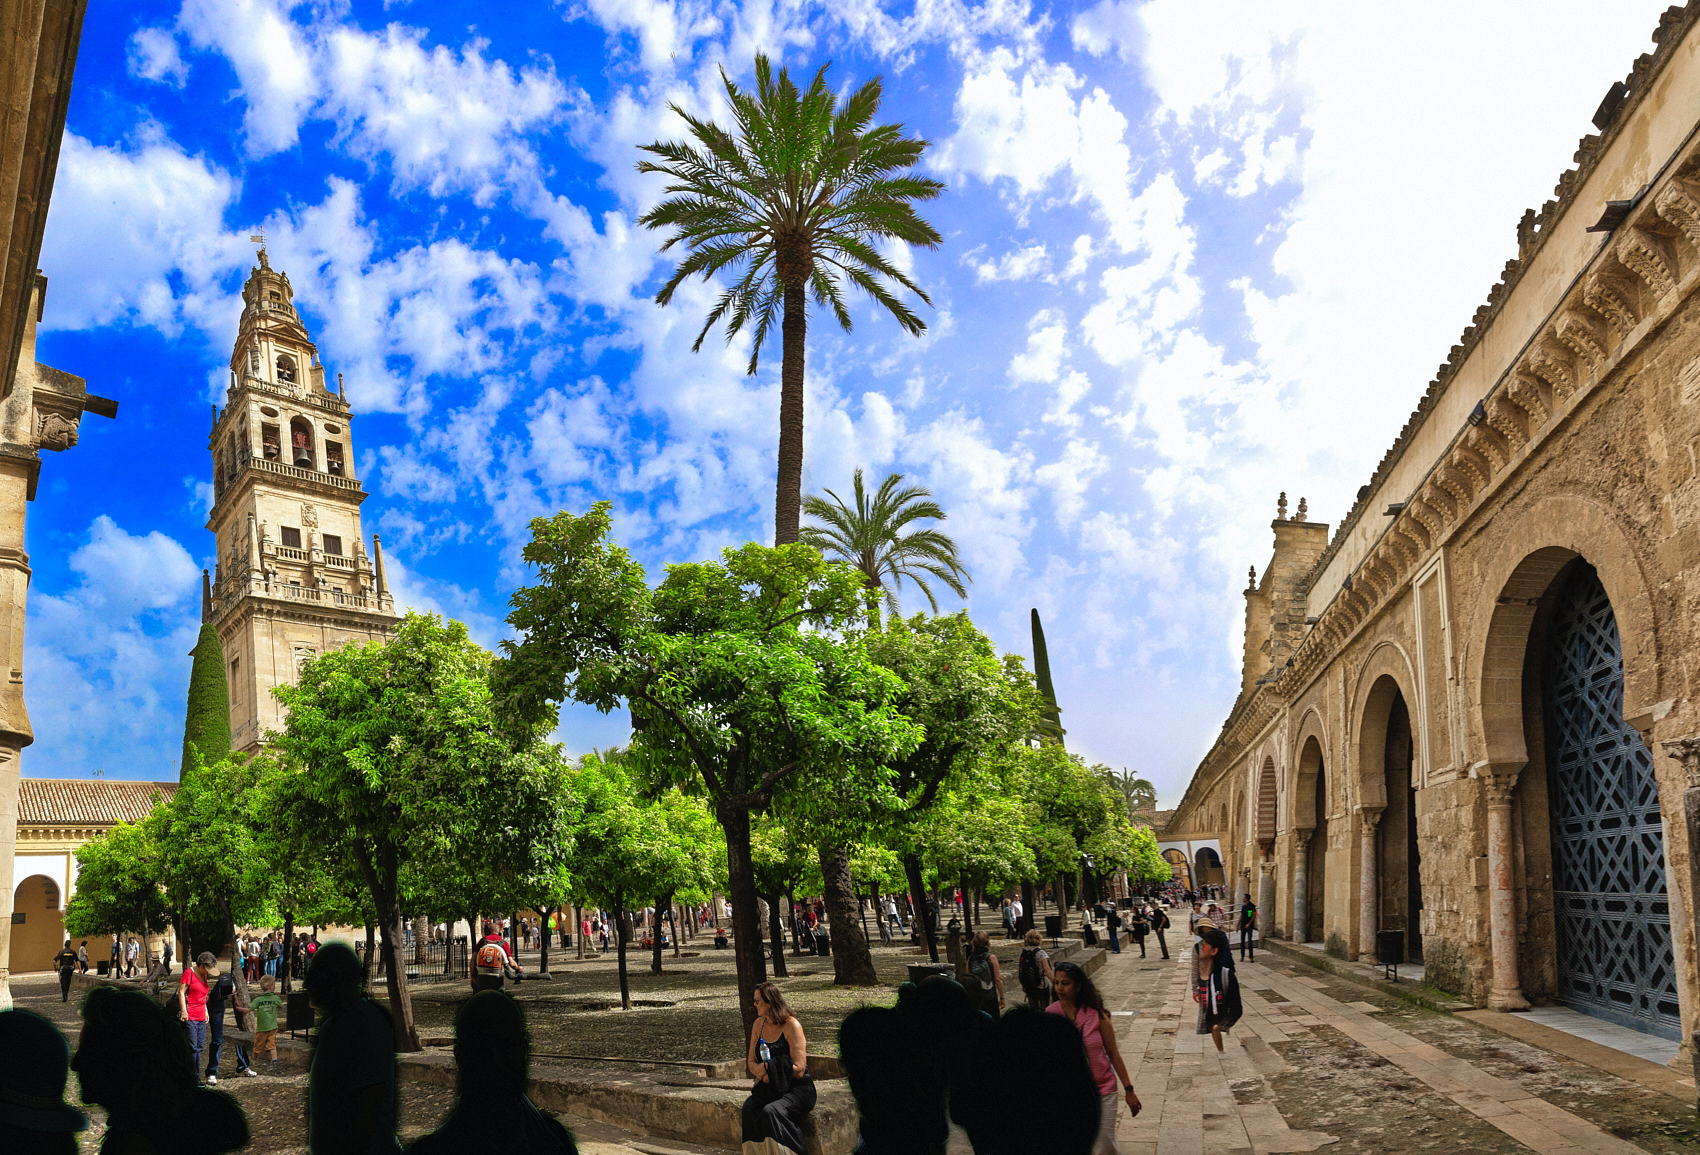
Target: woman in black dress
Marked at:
784, 1092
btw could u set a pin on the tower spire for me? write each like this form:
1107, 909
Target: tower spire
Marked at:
206, 597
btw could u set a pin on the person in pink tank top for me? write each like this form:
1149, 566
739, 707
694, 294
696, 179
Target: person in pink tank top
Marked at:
1079, 1002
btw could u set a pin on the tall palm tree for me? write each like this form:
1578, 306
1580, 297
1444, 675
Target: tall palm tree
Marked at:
870, 536
795, 201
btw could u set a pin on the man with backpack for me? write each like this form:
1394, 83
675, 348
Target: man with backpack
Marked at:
491, 962
1113, 923
1159, 924
1034, 970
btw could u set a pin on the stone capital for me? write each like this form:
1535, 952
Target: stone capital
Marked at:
1370, 815
1686, 752
1498, 780
1301, 838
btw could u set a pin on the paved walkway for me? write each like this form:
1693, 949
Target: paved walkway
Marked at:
1199, 1103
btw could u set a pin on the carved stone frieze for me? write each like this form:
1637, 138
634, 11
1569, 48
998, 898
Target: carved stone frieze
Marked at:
1648, 257
1456, 485
1585, 336
1679, 204
1686, 751
1508, 419
55, 431
1472, 465
1556, 366
1491, 444
1525, 392
1613, 300
1430, 518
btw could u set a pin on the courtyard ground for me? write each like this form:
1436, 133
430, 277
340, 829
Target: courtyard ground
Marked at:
1319, 1062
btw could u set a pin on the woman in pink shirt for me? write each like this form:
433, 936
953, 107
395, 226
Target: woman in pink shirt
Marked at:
1079, 1002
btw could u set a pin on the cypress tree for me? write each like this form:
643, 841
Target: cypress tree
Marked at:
206, 721
1042, 673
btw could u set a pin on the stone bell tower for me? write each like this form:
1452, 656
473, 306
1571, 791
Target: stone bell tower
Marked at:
294, 577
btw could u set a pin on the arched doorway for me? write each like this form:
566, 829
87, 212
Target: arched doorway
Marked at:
40, 931
1388, 748
1311, 805
1207, 867
1178, 868
1611, 922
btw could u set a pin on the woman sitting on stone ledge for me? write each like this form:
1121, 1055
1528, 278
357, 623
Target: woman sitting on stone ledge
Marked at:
784, 1092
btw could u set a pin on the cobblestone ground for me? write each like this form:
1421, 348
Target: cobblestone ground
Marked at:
1318, 1062
1321, 1062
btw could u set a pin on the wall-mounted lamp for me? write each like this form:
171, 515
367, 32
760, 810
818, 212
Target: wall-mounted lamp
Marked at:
1478, 414
1313, 619
1347, 584
1394, 510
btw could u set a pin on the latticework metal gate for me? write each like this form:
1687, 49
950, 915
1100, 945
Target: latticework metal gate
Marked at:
1609, 898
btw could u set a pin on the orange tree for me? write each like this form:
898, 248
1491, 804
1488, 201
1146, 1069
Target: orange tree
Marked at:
746, 677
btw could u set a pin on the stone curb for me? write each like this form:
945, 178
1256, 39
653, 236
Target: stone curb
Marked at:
1365, 975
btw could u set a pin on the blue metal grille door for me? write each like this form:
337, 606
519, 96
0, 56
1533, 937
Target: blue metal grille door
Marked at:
1610, 906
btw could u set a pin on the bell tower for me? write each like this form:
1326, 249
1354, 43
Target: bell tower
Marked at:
294, 578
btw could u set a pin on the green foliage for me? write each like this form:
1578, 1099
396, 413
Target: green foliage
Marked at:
745, 677
403, 756
1138, 793
206, 722
629, 849
871, 537
783, 862
117, 884
800, 194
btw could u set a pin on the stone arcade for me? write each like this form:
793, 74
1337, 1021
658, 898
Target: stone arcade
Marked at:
1466, 714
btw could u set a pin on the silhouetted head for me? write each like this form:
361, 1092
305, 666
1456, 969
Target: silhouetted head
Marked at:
492, 1047
34, 1063
333, 977
1032, 938
1074, 987
942, 1007
980, 942
132, 1058
1032, 1088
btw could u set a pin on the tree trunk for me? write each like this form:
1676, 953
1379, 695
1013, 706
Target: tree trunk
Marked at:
288, 956
674, 922
421, 940
918, 898
796, 931
661, 902
382, 882
746, 931
371, 951
1027, 914
620, 948
545, 912
776, 934
788, 494
578, 929
1062, 898
852, 964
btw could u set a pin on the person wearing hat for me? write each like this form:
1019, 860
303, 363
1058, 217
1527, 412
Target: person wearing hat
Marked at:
65, 962
35, 1061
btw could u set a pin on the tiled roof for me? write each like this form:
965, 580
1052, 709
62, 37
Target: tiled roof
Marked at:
87, 801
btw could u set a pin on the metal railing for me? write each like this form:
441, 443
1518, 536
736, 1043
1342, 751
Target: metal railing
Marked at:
431, 962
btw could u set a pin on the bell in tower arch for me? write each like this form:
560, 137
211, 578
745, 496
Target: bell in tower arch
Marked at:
303, 456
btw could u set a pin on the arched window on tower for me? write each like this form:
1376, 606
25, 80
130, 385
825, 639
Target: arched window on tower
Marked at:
269, 443
301, 444
286, 368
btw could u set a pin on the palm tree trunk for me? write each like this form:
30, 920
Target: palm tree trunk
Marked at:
788, 495
852, 963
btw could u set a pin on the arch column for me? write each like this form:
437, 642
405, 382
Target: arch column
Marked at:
1301, 885
1506, 993
1369, 892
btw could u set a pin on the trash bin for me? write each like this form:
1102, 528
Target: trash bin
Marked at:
1053, 926
298, 1013
920, 972
823, 943
101, 967
1389, 947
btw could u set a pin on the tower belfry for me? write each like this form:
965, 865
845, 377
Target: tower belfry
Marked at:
294, 577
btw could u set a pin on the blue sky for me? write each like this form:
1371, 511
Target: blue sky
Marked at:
1195, 255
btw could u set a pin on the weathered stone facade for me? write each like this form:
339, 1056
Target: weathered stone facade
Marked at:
1386, 764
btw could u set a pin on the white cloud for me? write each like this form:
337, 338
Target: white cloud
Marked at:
154, 56
272, 60
119, 687
1015, 265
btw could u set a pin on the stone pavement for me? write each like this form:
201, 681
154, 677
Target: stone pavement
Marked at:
1199, 1103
